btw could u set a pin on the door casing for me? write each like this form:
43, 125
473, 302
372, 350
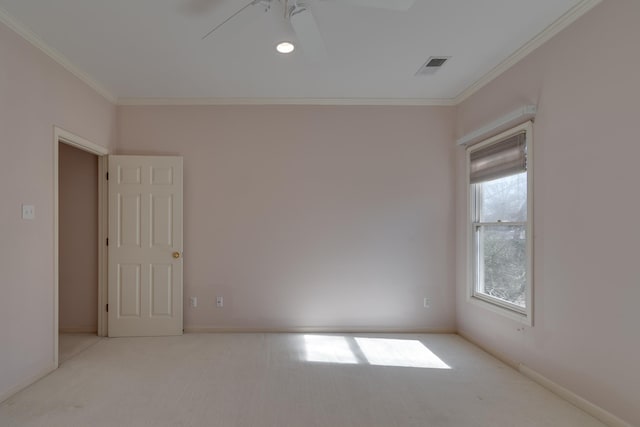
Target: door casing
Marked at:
63, 136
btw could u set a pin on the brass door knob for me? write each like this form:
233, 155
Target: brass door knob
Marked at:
176, 255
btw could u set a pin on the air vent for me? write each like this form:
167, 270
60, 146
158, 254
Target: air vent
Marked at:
432, 65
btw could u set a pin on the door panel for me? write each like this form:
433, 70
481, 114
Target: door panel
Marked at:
145, 226
161, 216
129, 290
128, 220
161, 286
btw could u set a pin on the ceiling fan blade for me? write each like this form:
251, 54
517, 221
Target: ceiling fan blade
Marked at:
253, 2
384, 4
197, 7
308, 34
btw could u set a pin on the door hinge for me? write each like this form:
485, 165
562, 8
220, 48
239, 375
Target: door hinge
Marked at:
107, 176
107, 308
107, 241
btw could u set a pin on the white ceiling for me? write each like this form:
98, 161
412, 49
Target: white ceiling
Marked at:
154, 48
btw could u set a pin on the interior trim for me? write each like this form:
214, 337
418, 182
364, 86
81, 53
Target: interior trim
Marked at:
560, 24
63, 136
575, 399
314, 330
516, 117
72, 331
287, 101
26, 383
36, 41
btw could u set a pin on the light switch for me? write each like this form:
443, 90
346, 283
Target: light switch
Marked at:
28, 212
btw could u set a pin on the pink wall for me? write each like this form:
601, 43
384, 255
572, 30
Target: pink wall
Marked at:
587, 324
78, 240
325, 217
35, 94
343, 217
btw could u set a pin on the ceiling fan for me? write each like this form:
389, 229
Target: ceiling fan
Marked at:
304, 25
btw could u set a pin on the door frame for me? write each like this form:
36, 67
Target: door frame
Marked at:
63, 136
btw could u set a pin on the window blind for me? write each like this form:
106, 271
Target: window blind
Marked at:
504, 158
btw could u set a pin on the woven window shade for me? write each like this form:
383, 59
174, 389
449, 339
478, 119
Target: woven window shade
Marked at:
504, 158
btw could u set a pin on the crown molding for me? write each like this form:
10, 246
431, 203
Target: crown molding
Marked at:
36, 41
560, 24
287, 101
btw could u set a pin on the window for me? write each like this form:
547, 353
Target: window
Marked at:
500, 178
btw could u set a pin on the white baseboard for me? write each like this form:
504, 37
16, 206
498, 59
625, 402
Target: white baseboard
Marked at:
298, 330
78, 331
26, 383
500, 356
594, 410
590, 408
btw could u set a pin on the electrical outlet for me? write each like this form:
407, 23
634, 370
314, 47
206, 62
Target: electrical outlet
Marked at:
219, 301
193, 302
427, 302
28, 212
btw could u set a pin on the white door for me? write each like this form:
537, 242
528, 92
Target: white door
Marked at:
145, 246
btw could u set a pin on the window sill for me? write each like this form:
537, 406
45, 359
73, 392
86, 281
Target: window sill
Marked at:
525, 318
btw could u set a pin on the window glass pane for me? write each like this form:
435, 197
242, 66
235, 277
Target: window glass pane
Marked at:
503, 199
502, 262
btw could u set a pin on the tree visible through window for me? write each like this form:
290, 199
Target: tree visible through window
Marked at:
499, 218
502, 238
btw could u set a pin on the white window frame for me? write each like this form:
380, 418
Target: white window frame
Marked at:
493, 304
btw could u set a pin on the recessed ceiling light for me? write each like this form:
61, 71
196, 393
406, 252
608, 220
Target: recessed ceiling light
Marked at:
285, 47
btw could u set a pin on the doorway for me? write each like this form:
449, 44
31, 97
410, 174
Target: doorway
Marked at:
79, 255
77, 250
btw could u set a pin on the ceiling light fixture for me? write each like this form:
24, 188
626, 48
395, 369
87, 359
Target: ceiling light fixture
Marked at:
285, 47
